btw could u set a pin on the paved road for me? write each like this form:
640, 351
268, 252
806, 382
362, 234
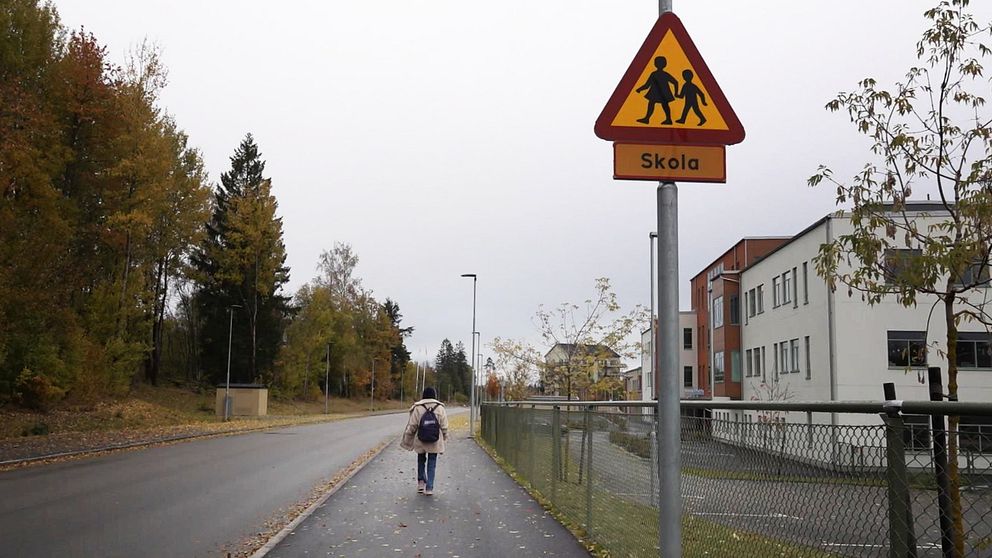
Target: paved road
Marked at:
477, 511
190, 499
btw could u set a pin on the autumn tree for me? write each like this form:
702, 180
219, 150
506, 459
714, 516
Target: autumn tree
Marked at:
928, 133
583, 337
100, 194
333, 311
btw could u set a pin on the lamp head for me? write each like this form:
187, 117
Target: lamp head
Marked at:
472, 275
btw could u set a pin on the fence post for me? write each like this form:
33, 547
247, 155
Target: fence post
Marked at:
530, 442
901, 540
555, 452
653, 466
940, 466
588, 432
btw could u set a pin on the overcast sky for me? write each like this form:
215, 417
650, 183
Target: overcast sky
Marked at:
441, 137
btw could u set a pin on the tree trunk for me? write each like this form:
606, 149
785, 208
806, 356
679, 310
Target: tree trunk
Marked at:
953, 474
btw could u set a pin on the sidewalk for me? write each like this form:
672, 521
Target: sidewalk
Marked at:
476, 511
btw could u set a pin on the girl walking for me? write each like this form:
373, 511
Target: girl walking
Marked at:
426, 432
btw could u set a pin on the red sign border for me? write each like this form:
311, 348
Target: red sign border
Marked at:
722, 180
604, 124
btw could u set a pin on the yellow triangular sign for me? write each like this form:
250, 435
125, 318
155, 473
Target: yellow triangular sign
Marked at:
668, 95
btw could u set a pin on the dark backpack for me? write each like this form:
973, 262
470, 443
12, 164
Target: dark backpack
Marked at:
429, 430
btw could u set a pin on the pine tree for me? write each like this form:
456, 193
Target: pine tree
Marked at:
400, 354
242, 269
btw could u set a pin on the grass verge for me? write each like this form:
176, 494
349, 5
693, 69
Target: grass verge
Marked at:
627, 528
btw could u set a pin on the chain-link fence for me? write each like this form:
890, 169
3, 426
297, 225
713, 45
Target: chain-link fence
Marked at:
759, 482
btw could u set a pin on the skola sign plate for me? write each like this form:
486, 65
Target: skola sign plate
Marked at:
669, 108
686, 163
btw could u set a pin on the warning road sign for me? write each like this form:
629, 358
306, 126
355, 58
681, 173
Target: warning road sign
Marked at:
668, 95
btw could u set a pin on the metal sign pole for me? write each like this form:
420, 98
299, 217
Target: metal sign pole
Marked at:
669, 427
666, 341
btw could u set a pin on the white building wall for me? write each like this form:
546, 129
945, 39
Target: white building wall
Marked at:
860, 336
687, 357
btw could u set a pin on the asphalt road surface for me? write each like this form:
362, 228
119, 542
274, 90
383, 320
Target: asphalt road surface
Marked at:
198, 498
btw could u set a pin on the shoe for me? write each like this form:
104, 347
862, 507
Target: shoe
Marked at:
667, 121
421, 485
428, 492
643, 120
701, 122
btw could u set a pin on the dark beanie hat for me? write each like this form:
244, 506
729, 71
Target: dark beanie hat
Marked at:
429, 393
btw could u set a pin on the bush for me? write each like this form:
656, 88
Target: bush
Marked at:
37, 429
459, 399
637, 445
36, 391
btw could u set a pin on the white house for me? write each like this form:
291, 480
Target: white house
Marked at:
687, 360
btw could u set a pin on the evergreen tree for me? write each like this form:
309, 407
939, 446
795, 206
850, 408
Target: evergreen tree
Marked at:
400, 354
242, 264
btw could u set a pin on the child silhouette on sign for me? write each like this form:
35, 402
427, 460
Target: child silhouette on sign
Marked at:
692, 95
659, 85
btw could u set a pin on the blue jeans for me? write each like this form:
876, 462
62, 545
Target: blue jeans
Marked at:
430, 459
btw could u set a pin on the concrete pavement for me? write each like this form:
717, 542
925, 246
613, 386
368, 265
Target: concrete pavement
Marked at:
476, 511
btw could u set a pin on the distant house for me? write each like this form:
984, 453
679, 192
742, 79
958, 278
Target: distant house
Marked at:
571, 367
632, 383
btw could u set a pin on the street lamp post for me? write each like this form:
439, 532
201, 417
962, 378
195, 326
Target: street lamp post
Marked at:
471, 404
653, 368
327, 376
227, 386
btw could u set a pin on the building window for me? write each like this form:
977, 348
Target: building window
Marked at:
916, 434
717, 312
775, 357
687, 338
763, 367
794, 357
757, 362
735, 366
783, 350
898, 265
749, 367
907, 348
718, 367
809, 371
776, 292
735, 310
687, 376
805, 284
795, 289
976, 275
750, 303
786, 288
761, 298
974, 350
975, 434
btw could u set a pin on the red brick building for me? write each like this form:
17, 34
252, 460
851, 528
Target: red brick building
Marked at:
716, 300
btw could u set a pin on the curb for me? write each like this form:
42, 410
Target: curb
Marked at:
184, 437
285, 531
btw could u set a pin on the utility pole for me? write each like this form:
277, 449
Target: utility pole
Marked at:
372, 400
327, 375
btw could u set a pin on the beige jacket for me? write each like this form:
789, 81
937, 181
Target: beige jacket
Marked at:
410, 440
